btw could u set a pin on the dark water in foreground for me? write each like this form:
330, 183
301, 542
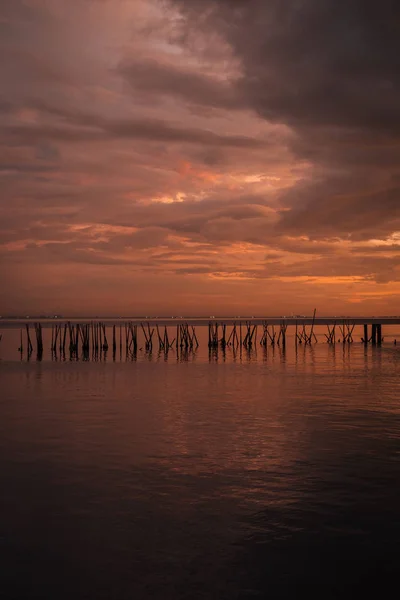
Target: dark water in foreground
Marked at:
267, 475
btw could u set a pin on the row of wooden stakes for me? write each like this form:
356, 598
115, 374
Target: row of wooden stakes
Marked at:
38, 337
246, 335
86, 337
346, 330
92, 337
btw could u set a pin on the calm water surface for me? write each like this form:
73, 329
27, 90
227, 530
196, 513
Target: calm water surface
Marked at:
232, 476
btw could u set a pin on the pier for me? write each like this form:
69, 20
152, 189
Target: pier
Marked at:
94, 338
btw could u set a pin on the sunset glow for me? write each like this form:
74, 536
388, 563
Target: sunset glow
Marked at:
173, 156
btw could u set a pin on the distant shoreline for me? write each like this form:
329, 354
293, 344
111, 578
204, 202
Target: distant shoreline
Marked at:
228, 320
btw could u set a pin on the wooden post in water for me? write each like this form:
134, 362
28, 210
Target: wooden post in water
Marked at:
71, 347
39, 339
374, 334
253, 334
312, 327
379, 334
223, 340
160, 340
166, 340
231, 336
186, 336
105, 344
342, 330
29, 343
114, 342
331, 337
54, 339
145, 337
283, 331
127, 330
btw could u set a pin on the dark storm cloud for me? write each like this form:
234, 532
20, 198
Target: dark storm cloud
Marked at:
5, 107
88, 128
313, 61
330, 70
329, 210
17, 10
152, 77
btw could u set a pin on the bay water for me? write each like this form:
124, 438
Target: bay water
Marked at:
270, 473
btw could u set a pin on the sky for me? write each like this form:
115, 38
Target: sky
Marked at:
199, 157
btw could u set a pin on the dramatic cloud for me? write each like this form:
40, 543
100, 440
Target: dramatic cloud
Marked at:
199, 156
